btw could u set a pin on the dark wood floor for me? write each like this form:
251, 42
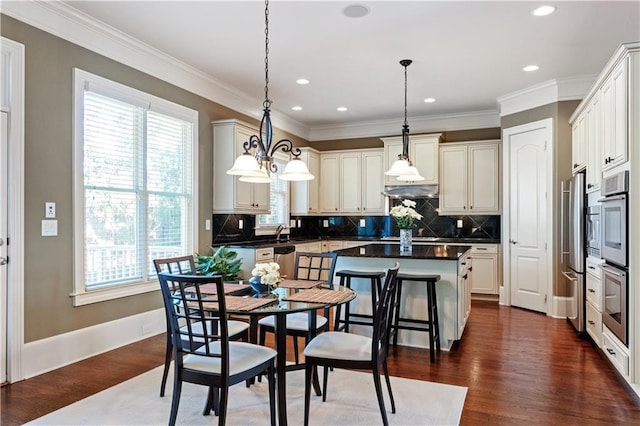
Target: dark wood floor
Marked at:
520, 368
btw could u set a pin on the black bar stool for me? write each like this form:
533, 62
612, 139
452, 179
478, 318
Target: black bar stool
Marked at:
375, 278
431, 324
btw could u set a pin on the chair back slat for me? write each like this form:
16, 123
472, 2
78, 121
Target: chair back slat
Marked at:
183, 265
383, 314
315, 266
198, 321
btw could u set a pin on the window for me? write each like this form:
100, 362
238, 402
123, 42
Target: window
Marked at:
279, 200
134, 177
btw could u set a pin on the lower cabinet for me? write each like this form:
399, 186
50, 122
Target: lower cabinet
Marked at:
251, 256
312, 247
616, 352
485, 263
594, 298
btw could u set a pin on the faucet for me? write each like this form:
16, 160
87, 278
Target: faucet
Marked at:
279, 230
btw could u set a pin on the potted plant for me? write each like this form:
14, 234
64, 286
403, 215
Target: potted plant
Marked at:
223, 262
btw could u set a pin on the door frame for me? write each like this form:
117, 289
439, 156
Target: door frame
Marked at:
12, 101
547, 125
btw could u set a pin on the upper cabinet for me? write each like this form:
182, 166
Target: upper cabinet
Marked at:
304, 194
579, 146
329, 193
593, 116
423, 152
230, 195
615, 95
469, 178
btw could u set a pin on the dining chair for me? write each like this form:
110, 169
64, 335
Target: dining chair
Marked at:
312, 267
205, 355
355, 352
185, 265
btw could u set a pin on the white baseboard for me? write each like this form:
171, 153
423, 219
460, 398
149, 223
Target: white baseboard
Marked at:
44, 355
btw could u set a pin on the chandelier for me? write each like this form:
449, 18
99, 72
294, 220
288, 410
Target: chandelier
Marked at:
257, 167
403, 169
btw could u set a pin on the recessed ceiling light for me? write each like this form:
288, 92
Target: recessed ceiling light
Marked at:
342, 109
544, 10
296, 108
430, 100
302, 81
530, 68
355, 11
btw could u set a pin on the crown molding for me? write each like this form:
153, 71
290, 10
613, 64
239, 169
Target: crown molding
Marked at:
545, 93
425, 124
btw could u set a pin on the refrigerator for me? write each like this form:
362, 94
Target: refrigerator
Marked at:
574, 258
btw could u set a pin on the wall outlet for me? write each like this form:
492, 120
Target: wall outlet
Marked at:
50, 210
207, 225
240, 224
363, 223
292, 223
459, 223
325, 223
299, 223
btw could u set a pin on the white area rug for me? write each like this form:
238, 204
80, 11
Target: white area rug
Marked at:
351, 400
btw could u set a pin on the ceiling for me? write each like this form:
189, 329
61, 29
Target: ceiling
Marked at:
465, 54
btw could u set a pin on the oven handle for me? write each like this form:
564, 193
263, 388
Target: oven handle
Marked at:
611, 270
614, 197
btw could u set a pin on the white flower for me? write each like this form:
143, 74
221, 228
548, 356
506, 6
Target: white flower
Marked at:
405, 214
269, 273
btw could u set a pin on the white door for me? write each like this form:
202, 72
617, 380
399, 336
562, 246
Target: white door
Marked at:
3, 246
528, 261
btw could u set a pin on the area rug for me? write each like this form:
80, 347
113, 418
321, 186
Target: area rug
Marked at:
351, 400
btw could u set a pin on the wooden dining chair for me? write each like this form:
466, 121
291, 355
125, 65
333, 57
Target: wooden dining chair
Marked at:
312, 267
185, 265
205, 355
335, 349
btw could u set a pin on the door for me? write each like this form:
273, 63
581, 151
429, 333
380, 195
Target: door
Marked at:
528, 262
3, 246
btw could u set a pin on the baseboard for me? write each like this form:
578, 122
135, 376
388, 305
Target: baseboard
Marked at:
44, 355
485, 297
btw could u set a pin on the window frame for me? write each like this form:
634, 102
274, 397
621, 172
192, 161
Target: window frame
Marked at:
82, 79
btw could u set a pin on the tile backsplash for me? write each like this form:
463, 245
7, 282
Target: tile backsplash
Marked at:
226, 226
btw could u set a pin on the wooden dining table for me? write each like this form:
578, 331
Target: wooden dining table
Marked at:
291, 296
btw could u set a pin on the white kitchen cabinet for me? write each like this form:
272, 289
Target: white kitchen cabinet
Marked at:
310, 247
423, 152
250, 256
579, 144
330, 187
304, 194
351, 182
485, 264
469, 178
594, 299
331, 245
372, 181
594, 143
230, 195
615, 96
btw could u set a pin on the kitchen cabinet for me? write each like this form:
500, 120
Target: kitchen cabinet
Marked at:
250, 256
595, 299
469, 178
615, 96
594, 144
485, 267
310, 247
465, 281
351, 182
423, 152
304, 194
331, 245
579, 144
330, 188
230, 195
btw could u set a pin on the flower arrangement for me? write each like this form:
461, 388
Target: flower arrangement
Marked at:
405, 214
269, 273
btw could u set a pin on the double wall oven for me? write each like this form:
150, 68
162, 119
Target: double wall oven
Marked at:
614, 208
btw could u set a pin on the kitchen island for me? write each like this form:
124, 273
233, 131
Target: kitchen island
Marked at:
453, 289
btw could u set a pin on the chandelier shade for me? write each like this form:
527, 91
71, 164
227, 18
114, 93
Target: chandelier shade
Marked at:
258, 165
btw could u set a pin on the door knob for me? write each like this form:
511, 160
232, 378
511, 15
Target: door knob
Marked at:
513, 241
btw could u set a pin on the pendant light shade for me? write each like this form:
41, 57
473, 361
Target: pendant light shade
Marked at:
399, 167
296, 170
245, 164
258, 176
411, 175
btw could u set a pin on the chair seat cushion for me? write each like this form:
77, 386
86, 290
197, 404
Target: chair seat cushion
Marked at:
235, 327
298, 321
242, 356
338, 345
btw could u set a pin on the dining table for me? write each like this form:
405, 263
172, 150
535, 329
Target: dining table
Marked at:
289, 297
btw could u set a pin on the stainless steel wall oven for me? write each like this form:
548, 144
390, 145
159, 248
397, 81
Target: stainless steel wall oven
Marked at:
615, 311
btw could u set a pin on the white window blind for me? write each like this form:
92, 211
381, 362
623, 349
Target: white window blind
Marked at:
278, 198
138, 188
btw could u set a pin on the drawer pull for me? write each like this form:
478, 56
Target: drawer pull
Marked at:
591, 290
591, 322
611, 351
592, 267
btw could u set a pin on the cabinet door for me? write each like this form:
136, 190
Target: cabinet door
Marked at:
453, 179
615, 97
372, 182
579, 144
484, 188
304, 194
424, 155
484, 273
350, 182
392, 149
243, 190
313, 163
594, 144
330, 177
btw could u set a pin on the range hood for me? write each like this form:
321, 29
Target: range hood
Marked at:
410, 191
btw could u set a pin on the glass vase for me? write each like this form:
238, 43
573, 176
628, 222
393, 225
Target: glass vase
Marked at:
405, 240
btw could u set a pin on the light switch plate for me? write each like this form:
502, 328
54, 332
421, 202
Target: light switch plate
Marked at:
325, 223
292, 223
459, 223
49, 228
299, 223
240, 224
363, 223
207, 225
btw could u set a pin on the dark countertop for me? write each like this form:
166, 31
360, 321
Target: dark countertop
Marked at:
390, 250
391, 240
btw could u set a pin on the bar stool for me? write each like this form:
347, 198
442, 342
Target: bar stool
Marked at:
375, 277
429, 325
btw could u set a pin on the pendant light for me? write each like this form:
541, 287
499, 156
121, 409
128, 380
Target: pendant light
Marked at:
402, 168
257, 167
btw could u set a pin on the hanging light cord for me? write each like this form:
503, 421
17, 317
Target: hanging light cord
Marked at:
267, 102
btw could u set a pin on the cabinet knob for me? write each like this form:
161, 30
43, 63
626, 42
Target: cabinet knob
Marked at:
575, 165
611, 351
336, 209
591, 290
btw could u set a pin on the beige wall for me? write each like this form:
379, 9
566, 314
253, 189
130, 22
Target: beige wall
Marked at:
560, 113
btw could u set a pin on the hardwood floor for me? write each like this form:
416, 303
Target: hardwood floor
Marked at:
520, 368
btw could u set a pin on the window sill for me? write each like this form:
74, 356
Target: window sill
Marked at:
115, 292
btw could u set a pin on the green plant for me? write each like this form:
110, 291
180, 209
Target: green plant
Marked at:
223, 262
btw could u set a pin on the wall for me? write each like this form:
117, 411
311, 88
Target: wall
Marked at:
560, 113
48, 279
